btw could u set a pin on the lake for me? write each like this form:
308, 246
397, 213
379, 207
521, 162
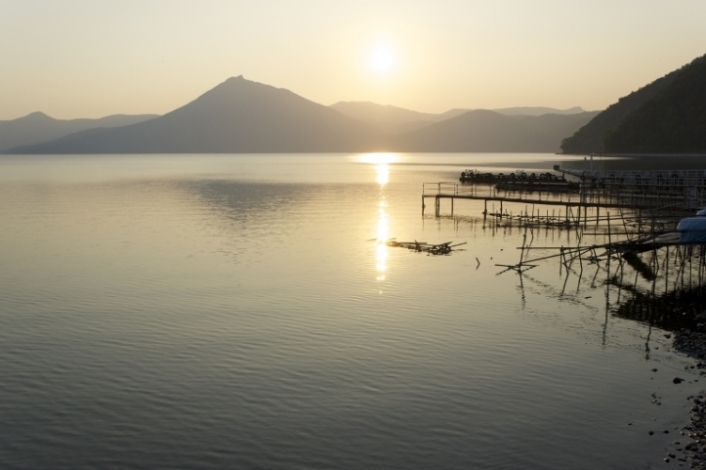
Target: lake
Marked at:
237, 311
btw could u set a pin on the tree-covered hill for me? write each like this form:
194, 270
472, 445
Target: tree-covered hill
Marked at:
674, 121
590, 138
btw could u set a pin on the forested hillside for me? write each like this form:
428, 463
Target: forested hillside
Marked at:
590, 138
674, 121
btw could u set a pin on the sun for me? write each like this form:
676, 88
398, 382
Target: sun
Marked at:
383, 59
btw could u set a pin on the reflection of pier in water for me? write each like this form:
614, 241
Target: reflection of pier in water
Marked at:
663, 287
620, 226
659, 285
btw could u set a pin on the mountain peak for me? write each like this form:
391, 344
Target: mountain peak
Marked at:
37, 116
240, 84
244, 116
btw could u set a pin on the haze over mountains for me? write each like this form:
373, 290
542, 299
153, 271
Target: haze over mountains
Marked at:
38, 127
242, 116
393, 120
490, 131
236, 116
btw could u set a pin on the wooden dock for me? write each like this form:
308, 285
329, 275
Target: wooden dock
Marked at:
454, 191
633, 191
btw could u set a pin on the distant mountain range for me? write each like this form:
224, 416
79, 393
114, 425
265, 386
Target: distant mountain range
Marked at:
394, 120
236, 116
491, 131
241, 116
665, 116
38, 127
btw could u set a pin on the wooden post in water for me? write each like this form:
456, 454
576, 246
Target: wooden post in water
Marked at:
610, 241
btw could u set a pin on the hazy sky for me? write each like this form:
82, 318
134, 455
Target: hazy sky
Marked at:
91, 58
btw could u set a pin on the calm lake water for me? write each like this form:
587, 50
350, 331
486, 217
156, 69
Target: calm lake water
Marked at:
234, 311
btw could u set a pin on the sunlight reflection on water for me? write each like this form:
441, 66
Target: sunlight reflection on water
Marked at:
383, 174
381, 251
382, 170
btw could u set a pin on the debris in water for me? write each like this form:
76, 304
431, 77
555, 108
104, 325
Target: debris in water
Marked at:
440, 249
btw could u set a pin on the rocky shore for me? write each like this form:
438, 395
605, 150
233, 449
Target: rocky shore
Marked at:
693, 343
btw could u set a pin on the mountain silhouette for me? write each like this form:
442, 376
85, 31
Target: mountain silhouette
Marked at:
674, 121
237, 116
591, 138
537, 111
386, 119
490, 131
38, 127
393, 120
242, 116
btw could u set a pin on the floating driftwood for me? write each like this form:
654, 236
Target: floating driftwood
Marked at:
440, 249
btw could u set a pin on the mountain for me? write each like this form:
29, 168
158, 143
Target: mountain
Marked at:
242, 116
393, 120
674, 121
590, 138
38, 127
537, 111
237, 116
384, 118
514, 111
490, 131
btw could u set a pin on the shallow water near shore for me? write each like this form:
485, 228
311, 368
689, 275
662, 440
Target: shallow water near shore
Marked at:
236, 311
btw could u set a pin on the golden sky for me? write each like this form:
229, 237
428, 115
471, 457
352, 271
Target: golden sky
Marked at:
91, 58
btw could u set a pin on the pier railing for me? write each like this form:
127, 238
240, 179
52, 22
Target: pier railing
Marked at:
685, 189
479, 191
661, 177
